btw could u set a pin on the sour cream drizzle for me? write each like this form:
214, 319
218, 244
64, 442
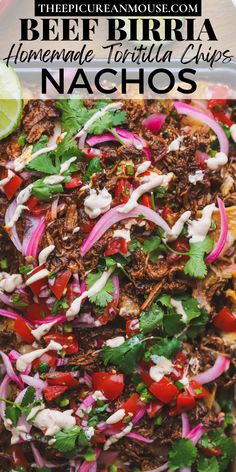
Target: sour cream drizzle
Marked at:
178, 226
22, 197
219, 160
52, 421
178, 305
26, 359
198, 229
97, 286
39, 332
7, 179
43, 255
38, 276
10, 282
148, 182
97, 202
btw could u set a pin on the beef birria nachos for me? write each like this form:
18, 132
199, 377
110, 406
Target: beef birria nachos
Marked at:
117, 286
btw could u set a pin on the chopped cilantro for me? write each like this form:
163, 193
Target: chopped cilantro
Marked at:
182, 454
18, 300
165, 347
41, 143
195, 266
89, 455
59, 306
3, 264
104, 296
217, 439
134, 245
93, 167
13, 413
43, 163
151, 319
126, 356
208, 465
25, 269
75, 115
151, 244
160, 192
22, 139
66, 439
28, 397
44, 191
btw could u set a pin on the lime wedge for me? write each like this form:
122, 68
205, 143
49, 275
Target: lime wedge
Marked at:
11, 103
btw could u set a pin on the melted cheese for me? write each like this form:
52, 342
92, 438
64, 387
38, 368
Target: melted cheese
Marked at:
97, 286
26, 359
97, 202
198, 229
148, 182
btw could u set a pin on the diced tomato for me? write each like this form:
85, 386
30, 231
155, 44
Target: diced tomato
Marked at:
146, 201
62, 378
217, 102
17, 456
179, 365
223, 118
24, 331
40, 209
67, 341
225, 320
132, 327
32, 202
122, 191
214, 451
74, 182
166, 212
36, 287
197, 390
60, 283
164, 390
92, 152
86, 226
111, 385
49, 358
37, 311
201, 159
116, 246
185, 402
146, 378
50, 393
12, 186
132, 405
153, 408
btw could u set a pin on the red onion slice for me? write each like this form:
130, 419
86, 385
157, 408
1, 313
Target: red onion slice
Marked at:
13, 233
154, 122
113, 216
221, 365
9, 369
3, 394
185, 425
32, 248
224, 228
140, 437
184, 109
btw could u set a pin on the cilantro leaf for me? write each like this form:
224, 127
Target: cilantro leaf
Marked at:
93, 167
151, 319
75, 115
89, 455
134, 245
41, 143
195, 266
208, 465
42, 163
217, 439
24, 269
126, 356
59, 306
28, 397
13, 413
151, 244
165, 347
104, 296
45, 192
66, 439
182, 454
